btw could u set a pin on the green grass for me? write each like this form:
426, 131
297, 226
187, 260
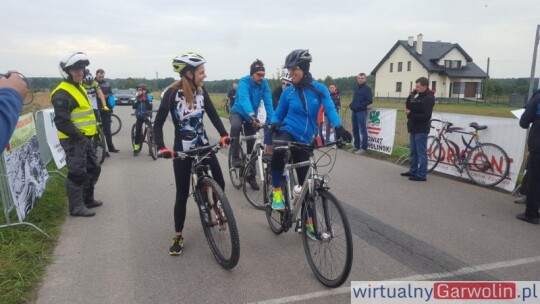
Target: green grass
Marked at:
24, 252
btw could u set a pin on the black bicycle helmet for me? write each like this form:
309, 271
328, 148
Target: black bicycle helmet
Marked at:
142, 86
300, 58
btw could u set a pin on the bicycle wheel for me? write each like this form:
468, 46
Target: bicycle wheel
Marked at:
275, 218
133, 132
100, 146
330, 256
218, 223
254, 196
116, 124
235, 173
487, 165
434, 152
150, 140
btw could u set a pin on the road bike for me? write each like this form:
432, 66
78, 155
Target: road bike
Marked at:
216, 214
147, 135
486, 164
255, 171
329, 250
236, 173
116, 124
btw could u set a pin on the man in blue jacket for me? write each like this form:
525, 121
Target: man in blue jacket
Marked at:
251, 90
12, 92
361, 100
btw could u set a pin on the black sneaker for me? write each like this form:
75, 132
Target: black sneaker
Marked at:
177, 245
529, 219
253, 184
93, 204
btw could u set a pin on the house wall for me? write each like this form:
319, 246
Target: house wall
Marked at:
385, 81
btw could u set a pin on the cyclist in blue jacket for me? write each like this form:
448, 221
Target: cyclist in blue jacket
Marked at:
251, 90
295, 118
143, 108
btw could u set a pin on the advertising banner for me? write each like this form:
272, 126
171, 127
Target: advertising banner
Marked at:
381, 127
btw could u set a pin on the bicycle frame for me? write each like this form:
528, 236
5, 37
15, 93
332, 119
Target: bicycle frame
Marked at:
257, 147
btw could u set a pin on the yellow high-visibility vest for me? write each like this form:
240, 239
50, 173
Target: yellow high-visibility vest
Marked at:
83, 116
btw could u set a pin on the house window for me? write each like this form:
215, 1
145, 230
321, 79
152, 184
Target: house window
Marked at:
408, 65
447, 63
457, 88
410, 87
434, 85
400, 66
391, 67
456, 64
398, 87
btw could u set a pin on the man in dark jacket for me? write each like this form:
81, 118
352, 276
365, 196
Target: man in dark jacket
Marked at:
418, 110
532, 115
361, 100
232, 95
106, 114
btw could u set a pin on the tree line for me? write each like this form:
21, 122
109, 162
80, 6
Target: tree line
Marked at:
346, 85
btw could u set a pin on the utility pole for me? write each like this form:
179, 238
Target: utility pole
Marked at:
531, 83
486, 82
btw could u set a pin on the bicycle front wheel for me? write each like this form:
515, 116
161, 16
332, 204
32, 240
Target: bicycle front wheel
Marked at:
487, 165
133, 132
235, 172
100, 146
329, 248
151, 141
434, 152
253, 182
116, 124
275, 218
218, 223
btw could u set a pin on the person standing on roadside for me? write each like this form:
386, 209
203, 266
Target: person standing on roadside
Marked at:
418, 108
232, 95
361, 100
106, 115
76, 123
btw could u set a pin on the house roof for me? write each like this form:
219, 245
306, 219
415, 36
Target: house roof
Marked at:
432, 52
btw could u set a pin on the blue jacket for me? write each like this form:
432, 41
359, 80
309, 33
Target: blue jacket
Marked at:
298, 121
362, 98
248, 98
10, 106
142, 107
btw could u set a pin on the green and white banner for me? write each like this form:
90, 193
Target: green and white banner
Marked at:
381, 127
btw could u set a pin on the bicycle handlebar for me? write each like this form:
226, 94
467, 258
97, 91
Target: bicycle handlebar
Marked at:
194, 152
145, 112
290, 144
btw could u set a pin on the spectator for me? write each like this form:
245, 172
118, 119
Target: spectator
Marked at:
13, 90
418, 110
94, 92
106, 115
361, 100
76, 124
232, 94
276, 94
251, 90
143, 110
334, 94
531, 116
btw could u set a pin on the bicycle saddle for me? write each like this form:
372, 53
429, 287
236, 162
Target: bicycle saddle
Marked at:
476, 126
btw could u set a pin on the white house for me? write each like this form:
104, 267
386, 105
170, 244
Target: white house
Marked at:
450, 70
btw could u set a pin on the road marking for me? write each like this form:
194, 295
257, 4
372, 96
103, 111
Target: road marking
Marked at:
419, 277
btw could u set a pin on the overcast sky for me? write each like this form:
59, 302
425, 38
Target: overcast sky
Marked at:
138, 38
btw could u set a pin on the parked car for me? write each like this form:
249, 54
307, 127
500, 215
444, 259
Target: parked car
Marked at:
125, 96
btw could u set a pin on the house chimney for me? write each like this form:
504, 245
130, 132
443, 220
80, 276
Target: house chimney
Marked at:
419, 43
411, 41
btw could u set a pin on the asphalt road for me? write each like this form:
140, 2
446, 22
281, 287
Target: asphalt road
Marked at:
441, 229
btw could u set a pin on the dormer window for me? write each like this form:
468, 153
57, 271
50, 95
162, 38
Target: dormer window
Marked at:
452, 64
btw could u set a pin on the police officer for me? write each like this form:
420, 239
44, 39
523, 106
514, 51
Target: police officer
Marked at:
76, 124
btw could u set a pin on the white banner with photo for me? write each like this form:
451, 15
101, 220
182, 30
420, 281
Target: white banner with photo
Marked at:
503, 132
53, 141
26, 172
381, 127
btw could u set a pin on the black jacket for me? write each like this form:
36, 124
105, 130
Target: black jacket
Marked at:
528, 117
362, 98
421, 108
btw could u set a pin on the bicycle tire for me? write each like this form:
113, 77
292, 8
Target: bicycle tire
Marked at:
275, 218
133, 132
116, 124
434, 152
326, 235
481, 153
256, 198
213, 230
150, 140
236, 173
100, 145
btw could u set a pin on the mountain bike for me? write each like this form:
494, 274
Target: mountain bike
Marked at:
330, 252
486, 164
216, 214
236, 173
116, 124
256, 166
147, 135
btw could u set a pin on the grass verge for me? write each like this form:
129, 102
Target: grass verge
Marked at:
25, 252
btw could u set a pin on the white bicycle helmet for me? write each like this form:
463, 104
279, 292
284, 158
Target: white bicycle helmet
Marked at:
88, 78
286, 79
190, 59
72, 59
